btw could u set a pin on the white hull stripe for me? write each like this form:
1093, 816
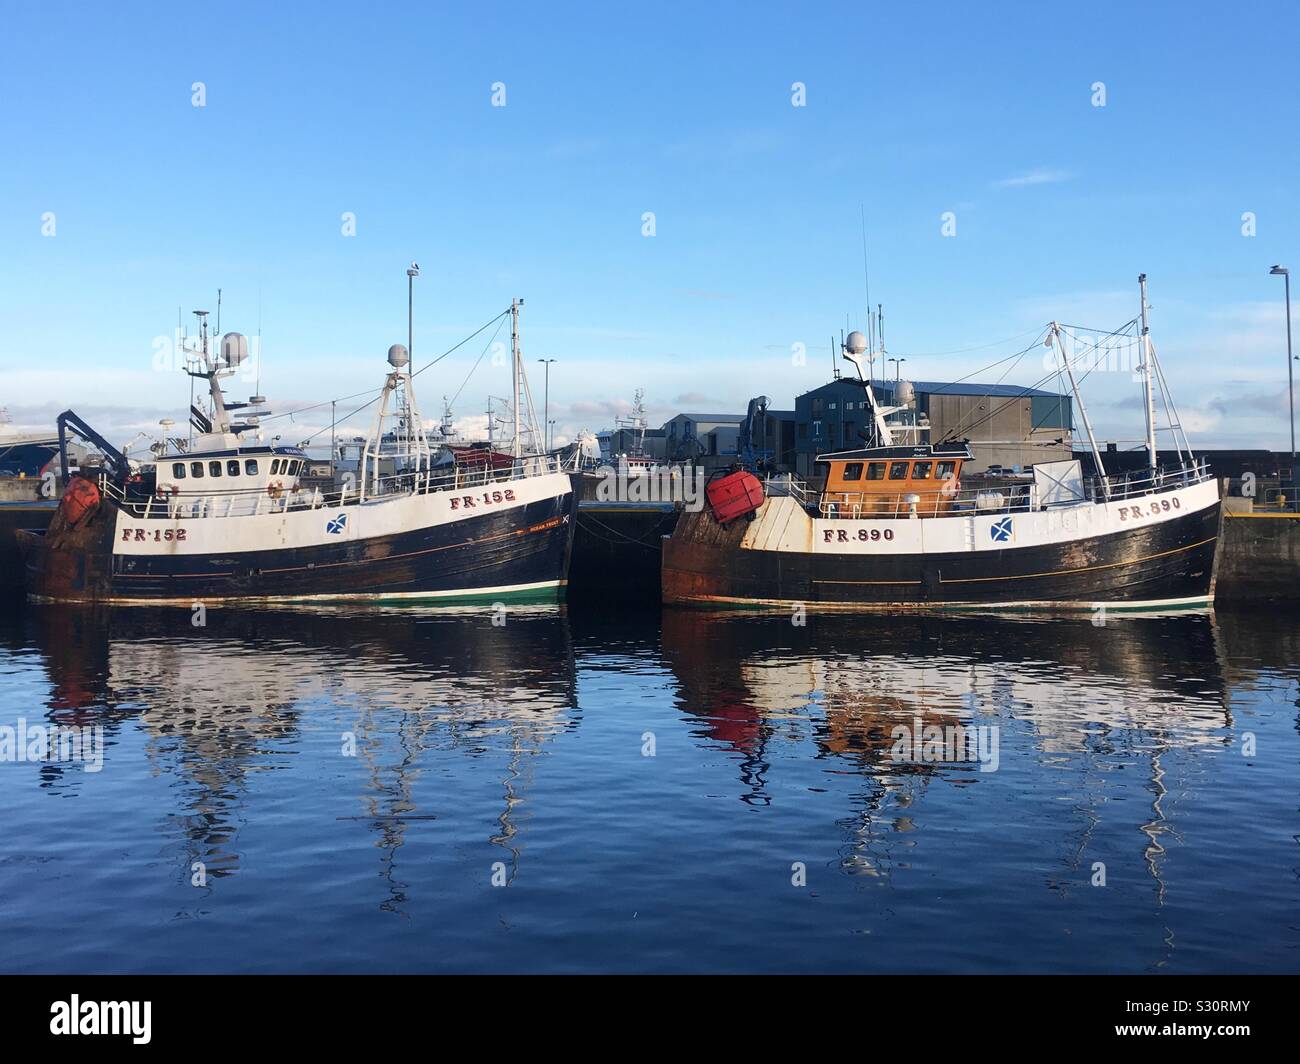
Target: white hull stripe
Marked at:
1195, 602
376, 596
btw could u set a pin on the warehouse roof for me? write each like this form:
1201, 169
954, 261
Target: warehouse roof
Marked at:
956, 388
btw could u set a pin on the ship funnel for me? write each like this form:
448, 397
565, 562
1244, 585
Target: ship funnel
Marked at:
397, 356
234, 348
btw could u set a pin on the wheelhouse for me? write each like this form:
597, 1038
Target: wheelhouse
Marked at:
893, 480
240, 469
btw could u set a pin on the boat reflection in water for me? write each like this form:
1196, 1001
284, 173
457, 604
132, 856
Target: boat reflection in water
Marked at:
1078, 693
240, 696
518, 754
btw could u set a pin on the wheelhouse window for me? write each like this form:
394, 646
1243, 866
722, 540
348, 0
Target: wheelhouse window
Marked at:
898, 470
214, 468
196, 470
875, 470
945, 470
178, 470
232, 468
275, 467
852, 470
921, 470
250, 466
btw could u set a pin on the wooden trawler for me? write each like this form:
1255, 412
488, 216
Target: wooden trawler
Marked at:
227, 518
893, 526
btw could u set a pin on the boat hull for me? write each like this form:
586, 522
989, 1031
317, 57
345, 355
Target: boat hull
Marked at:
419, 552
1125, 563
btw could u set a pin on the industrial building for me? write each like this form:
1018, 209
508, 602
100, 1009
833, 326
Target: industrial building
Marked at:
1006, 425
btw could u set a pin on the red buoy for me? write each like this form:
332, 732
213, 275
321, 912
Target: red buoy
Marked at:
735, 495
80, 500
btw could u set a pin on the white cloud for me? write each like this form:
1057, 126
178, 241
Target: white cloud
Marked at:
1033, 177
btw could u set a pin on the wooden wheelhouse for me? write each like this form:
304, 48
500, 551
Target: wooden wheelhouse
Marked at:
895, 481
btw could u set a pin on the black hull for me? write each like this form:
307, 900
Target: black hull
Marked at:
1170, 562
523, 551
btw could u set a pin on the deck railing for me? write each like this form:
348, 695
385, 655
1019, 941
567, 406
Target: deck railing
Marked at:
250, 502
994, 497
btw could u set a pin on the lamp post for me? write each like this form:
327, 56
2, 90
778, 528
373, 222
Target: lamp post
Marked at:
1290, 374
898, 367
412, 272
546, 403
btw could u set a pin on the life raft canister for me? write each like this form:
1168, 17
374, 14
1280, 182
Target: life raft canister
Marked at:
735, 495
80, 500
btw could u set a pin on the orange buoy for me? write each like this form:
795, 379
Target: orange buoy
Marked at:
80, 500
736, 495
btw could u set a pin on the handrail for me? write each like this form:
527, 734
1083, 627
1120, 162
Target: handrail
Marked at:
987, 499
252, 502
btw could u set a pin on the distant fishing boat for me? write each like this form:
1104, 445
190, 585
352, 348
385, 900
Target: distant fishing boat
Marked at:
893, 526
227, 517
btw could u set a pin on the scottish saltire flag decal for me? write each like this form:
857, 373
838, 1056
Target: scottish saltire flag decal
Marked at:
336, 526
1001, 531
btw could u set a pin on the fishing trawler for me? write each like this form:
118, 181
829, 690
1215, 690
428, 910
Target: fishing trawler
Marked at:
226, 517
893, 526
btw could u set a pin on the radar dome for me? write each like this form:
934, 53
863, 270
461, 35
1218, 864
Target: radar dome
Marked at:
904, 393
856, 343
397, 356
234, 348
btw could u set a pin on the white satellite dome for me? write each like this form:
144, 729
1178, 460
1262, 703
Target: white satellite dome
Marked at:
234, 348
397, 356
856, 343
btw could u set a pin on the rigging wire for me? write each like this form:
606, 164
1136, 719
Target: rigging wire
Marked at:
499, 319
1042, 380
977, 347
367, 391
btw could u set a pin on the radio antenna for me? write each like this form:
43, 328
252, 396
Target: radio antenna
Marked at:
866, 275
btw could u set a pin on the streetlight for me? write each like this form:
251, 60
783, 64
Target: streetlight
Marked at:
1290, 375
898, 365
412, 272
546, 405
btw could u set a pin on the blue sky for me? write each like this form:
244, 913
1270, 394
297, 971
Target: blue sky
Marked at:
985, 111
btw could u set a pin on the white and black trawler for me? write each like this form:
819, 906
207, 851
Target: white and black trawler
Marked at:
892, 525
226, 517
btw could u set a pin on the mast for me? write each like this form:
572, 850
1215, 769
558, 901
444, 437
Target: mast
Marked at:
515, 304
1083, 411
1148, 392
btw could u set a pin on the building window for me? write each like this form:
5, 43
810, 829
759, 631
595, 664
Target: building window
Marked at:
832, 406
816, 408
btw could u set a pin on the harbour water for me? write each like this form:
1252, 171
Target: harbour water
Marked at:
560, 790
